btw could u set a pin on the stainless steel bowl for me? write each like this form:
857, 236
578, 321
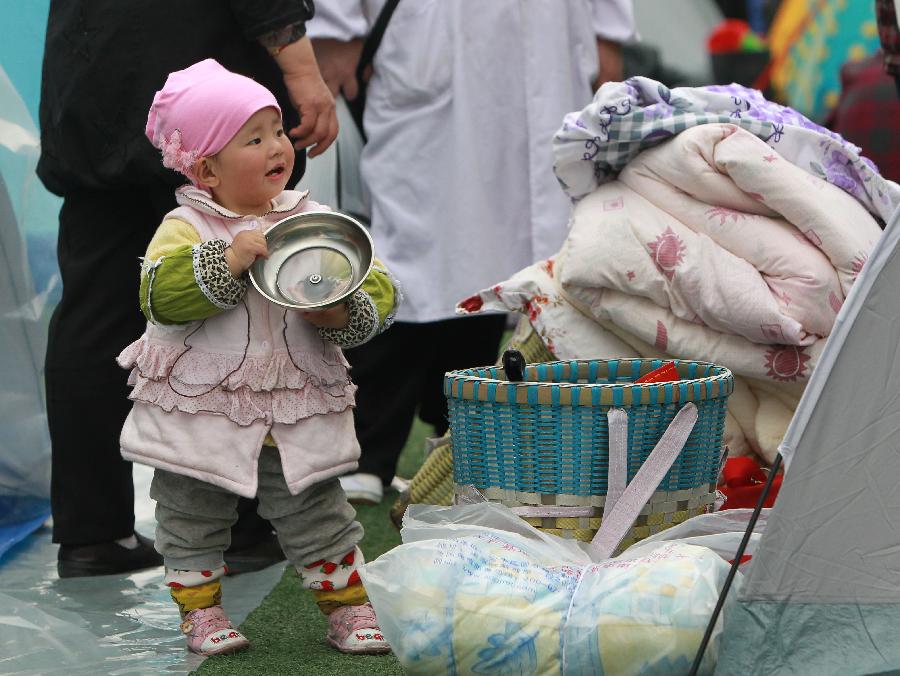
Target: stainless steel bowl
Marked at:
317, 259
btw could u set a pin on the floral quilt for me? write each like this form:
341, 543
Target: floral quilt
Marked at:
712, 246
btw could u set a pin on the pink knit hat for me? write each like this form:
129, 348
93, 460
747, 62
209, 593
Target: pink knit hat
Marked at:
199, 110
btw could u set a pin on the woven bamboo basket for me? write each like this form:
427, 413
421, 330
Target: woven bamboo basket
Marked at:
541, 446
433, 483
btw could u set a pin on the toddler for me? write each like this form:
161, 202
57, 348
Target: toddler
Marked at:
233, 395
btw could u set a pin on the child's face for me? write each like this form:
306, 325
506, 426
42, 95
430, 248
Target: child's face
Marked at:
255, 165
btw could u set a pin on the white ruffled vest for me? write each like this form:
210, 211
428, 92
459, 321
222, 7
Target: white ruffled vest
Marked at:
207, 393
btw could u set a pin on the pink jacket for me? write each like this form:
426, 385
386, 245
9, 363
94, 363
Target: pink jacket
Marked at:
206, 394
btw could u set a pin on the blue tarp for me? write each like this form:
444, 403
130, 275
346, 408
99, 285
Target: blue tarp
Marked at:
29, 278
19, 517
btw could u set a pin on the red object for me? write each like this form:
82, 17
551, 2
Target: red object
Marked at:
743, 482
472, 304
727, 36
664, 374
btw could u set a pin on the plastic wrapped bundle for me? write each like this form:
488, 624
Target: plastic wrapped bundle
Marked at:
489, 601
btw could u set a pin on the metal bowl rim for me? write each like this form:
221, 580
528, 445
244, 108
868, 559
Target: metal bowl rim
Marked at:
312, 215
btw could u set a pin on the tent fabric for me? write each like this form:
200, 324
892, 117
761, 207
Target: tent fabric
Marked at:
823, 594
857, 300
821, 639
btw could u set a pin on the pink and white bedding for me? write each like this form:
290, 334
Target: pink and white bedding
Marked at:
709, 246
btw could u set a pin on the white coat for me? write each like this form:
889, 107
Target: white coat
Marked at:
461, 110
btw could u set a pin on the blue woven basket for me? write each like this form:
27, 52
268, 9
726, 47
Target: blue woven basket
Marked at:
549, 435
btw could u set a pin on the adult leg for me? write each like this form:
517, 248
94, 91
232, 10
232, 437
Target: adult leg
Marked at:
253, 542
460, 343
101, 236
388, 371
318, 523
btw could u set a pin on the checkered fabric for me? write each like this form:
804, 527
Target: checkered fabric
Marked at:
624, 118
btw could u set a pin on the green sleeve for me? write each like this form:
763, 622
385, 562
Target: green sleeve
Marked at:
371, 309
384, 293
189, 283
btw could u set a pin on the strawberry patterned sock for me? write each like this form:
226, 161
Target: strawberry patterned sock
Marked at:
176, 579
323, 575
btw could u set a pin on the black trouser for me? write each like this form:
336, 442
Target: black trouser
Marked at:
102, 234
403, 369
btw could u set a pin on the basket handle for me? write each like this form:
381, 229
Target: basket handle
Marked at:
620, 516
617, 478
514, 366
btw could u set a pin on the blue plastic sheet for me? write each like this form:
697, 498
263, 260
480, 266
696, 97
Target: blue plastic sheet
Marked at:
29, 279
19, 517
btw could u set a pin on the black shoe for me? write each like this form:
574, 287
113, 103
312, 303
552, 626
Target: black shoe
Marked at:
261, 554
107, 558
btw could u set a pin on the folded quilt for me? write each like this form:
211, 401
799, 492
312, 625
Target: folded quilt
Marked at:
769, 379
709, 224
718, 229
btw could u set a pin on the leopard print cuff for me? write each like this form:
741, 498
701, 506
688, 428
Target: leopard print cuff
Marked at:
363, 324
213, 276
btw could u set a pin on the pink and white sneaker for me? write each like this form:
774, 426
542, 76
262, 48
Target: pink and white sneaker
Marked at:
210, 632
354, 629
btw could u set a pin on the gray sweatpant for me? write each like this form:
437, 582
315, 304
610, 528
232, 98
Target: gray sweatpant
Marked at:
194, 518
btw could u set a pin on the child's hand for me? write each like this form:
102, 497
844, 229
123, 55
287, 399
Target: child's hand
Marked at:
246, 246
336, 317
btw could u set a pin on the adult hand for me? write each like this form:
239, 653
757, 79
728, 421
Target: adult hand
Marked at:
310, 96
337, 62
610, 55
336, 317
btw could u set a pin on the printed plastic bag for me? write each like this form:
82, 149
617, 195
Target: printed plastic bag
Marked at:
721, 532
475, 589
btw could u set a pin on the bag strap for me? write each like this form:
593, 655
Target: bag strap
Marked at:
373, 39
370, 46
619, 518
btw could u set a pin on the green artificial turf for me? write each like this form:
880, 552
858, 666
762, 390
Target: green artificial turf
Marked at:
287, 630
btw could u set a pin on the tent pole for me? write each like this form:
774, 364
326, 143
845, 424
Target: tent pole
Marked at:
698, 658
